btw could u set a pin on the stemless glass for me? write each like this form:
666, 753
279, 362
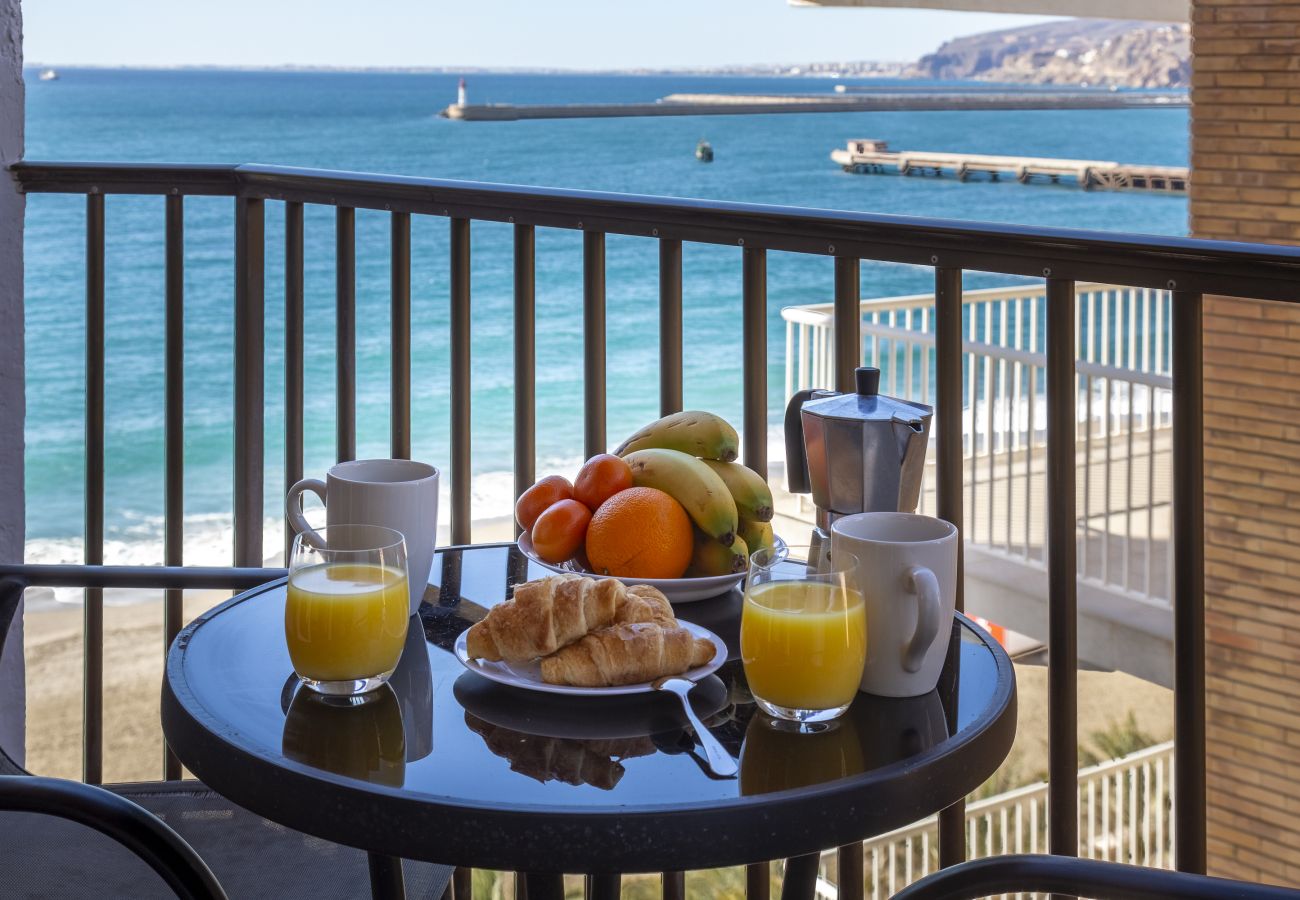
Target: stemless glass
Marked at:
803, 634
346, 615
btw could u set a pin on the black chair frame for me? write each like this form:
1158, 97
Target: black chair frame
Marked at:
1094, 878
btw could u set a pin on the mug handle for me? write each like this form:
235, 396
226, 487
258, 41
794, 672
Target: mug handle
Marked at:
293, 507
921, 581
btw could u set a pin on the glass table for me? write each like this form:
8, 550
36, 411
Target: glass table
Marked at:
444, 766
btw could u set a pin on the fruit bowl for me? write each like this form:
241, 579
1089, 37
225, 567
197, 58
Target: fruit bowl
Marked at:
677, 590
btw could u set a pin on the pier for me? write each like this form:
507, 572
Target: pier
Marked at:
885, 101
865, 156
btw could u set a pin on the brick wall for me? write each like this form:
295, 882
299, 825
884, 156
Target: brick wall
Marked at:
1246, 186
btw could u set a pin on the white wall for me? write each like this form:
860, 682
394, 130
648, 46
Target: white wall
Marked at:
12, 702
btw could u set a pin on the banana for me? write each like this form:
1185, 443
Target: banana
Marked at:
694, 433
756, 535
711, 558
691, 483
752, 495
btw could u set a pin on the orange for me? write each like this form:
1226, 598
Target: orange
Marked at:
534, 501
558, 532
603, 476
640, 533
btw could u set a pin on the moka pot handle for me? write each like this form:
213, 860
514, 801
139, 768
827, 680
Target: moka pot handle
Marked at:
796, 455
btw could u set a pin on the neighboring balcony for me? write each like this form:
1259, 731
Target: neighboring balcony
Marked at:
1124, 408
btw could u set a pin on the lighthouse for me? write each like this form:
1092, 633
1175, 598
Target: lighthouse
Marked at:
460, 94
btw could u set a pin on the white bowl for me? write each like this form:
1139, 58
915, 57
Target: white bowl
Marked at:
677, 590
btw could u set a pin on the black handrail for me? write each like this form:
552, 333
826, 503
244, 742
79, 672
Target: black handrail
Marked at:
1081, 877
1258, 271
141, 577
130, 825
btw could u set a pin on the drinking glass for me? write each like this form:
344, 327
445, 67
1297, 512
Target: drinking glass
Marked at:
803, 634
346, 615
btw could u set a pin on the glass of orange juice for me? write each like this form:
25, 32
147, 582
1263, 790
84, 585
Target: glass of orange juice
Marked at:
803, 634
346, 614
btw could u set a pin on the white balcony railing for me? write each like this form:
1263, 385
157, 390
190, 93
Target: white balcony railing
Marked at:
1125, 815
1124, 416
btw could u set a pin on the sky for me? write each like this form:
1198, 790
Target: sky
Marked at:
577, 34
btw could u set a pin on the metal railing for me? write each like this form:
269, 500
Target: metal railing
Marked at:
1188, 268
1123, 402
1124, 816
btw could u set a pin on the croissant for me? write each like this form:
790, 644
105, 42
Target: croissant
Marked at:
544, 616
644, 603
627, 654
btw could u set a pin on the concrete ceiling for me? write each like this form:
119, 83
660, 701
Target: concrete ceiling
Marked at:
1144, 10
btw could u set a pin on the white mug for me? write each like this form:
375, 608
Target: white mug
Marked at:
396, 493
907, 575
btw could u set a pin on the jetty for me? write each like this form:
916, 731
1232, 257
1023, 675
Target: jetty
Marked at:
867, 156
762, 104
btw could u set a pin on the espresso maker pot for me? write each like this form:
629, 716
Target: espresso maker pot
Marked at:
858, 452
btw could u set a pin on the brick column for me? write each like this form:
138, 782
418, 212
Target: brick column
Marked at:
1245, 141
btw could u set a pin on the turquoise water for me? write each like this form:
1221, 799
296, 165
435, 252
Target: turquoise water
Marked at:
387, 123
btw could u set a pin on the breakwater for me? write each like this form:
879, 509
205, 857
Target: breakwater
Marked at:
760, 104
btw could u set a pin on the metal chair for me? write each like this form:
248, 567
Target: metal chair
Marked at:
1064, 875
64, 840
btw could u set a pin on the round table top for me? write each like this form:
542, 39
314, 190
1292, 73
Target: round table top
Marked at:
445, 766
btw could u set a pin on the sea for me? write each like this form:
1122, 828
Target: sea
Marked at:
388, 122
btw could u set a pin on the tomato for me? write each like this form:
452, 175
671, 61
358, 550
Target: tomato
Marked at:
560, 530
534, 501
600, 478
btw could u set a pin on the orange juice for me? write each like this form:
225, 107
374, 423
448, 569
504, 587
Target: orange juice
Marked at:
345, 621
803, 643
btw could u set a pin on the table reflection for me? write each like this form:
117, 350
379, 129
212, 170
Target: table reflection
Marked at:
596, 762
359, 737
875, 732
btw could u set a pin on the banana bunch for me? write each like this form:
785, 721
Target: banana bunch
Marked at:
690, 456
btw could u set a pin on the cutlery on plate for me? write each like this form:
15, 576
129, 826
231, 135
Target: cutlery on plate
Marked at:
720, 760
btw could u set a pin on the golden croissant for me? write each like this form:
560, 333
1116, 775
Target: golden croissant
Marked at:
544, 616
627, 654
644, 603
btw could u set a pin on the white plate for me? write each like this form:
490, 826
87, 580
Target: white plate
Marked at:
529, 675
677, 590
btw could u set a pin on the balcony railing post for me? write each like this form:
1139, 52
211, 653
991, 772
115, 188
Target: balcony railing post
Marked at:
1062, 574
948, 433
249, 348
293, 352
754, 294
460, 381
174, 447
399, 441
848, 321
758, 881
525, 358
670, 326
345, 333
92, 764
1189, 584
848, 356
593, 342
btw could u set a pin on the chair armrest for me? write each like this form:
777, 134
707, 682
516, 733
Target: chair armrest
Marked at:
140, 832
1081, 877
